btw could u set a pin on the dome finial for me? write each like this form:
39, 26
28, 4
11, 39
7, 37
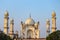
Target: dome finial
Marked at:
30, 15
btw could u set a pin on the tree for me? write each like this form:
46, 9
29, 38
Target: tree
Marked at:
54, 36
4, 36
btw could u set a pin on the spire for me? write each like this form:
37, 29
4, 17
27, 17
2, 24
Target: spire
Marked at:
30, 15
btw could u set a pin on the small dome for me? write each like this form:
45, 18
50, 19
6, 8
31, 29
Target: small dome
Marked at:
47, 20
53, 14
29, 21
6, 13
11, 21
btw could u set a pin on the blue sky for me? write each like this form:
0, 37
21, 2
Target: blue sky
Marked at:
40, 10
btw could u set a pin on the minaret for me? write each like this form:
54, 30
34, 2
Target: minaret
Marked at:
53, 21
22, 30
6, 18
48, 26
11, 28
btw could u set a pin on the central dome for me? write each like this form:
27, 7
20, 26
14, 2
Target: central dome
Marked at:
29, 21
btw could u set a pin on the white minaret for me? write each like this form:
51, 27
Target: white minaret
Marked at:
11, 28
53, 21
48, 26
6, 18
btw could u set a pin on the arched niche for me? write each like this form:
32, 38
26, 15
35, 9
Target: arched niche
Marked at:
29, 33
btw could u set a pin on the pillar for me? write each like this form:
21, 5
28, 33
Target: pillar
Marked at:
6, 18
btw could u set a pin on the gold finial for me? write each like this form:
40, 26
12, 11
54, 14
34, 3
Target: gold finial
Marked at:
53, 14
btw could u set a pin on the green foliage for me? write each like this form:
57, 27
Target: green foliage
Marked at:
4, 37
54, 36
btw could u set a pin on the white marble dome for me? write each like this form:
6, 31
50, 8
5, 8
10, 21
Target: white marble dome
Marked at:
29, 21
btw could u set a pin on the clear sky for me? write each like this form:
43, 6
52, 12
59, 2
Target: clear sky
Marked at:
20, 10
